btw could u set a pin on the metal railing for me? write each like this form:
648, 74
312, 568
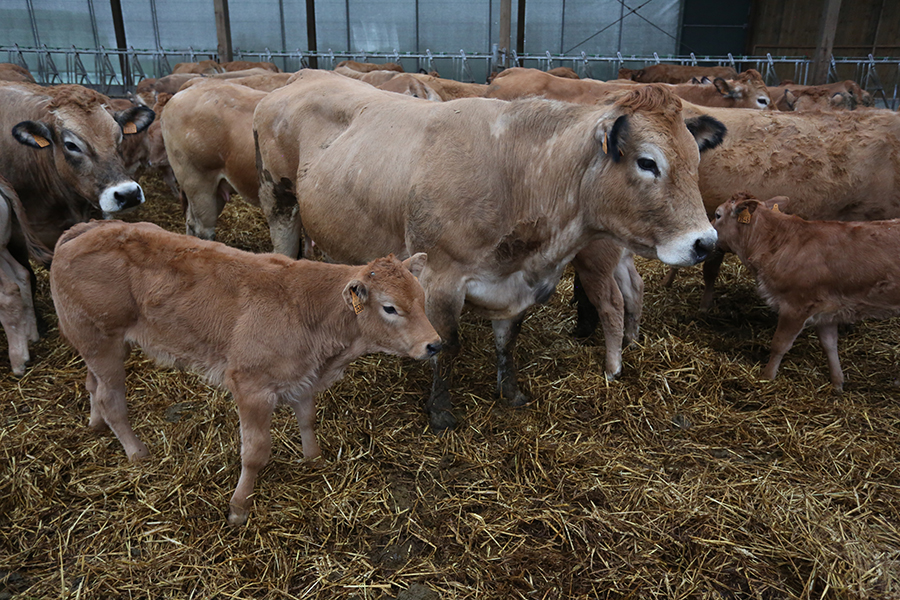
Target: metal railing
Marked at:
118, 71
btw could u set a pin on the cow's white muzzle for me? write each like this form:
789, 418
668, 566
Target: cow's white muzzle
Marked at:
121, 196
688, 249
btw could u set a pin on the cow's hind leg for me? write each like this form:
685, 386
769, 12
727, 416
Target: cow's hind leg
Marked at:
828, 337
255, 408
506, 332
106, 375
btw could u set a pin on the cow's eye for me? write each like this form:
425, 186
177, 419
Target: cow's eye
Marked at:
762, 101
71, 147
649, 165
389, 309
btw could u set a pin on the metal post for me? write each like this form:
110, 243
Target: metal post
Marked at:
121, 43
311, 33
223, 31
520, 31
827, 29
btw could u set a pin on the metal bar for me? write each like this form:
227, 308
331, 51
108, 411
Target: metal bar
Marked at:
311, 33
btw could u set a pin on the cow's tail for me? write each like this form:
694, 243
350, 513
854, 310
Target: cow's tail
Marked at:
36, 249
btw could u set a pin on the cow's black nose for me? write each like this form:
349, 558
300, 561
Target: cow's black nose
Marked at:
128, 198
702, 248
433, 349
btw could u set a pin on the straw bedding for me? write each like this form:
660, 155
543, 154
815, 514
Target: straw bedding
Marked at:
686, 478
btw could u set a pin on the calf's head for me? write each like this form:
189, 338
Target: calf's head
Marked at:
390, 307
81, 138
647, 168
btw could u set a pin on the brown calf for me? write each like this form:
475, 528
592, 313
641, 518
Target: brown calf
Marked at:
270, 328
822, 273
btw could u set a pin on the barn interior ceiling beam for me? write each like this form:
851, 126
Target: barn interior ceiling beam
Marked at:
825, 42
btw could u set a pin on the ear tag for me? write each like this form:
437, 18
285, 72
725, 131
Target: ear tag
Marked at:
357, 305
605, 143
40, 140
744, 217
775, 208
129, 128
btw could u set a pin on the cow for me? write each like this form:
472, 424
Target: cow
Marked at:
450, 89
242, 65
263, 83
367, 67
208, 135
203, 67
748, 91
376, 78
16, 302
663, 73
822, 273
14, 72
564, 72
405, 83
148, 90
522, 186
62, 157
812, 98
270, 328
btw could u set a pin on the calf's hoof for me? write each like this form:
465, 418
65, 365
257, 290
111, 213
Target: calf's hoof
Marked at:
139, 454
237, 516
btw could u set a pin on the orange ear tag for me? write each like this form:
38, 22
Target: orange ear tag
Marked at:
357, 305
775, 208
129, 128
40, 140
744, 217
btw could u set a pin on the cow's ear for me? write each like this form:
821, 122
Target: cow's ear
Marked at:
33, 133
744, 210
134, 119
708, 131
705, 80
355, 295
724, 87
612, 139
415, 264
790, 99
777, 203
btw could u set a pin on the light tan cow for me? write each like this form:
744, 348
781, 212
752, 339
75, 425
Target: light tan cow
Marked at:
243, 65
450, 89
367, 67
208, 135
16, 303
271, 329
664, 73
405, 83
203, 67
519, 188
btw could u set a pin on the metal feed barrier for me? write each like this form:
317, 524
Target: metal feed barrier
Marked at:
114, 71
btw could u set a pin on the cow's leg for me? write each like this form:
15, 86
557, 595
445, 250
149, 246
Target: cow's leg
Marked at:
255, 408
96, 423
631, 284
789, 326
586, 317
669, 279
279, 204
506, 332
443, 307
22, 278
204, 205
828, 337
14, 322
596, 269
305, 411
107, 365
711, 268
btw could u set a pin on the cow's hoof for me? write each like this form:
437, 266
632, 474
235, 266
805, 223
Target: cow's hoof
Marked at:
237, 516
442, 420
612, 376
140, 454
518, 400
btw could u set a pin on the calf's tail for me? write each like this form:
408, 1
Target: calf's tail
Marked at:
36, 249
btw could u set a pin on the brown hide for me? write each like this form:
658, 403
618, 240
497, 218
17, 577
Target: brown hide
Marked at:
242, 65
405, 83
269, 328
818, 272
63, 159
564, 72
521, 187
204, 67
675, 73
449, 89
208, 135
14, 72
367, 67
264, 83
241, 73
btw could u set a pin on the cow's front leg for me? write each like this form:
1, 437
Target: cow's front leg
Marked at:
631, 285
255, 408
596, 265
443, 307
279, 204
506, 332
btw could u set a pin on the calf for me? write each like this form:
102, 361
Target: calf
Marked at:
822, 273
270, 328
664, 73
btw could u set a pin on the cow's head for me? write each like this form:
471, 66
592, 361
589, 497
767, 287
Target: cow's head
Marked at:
389, 304
747, 90
646, 164
82, 137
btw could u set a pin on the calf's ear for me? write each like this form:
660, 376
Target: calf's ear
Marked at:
33, 133
134, 119
355, 295
415, 264
612, 139
708, 131
726, 89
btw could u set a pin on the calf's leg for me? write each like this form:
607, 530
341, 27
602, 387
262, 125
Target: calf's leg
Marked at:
305, 411
789, 326
828, 337
255, 408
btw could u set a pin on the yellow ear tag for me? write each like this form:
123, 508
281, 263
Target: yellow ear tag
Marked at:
775, 208
744, 217
40, 140
357, 305
605, 138
129, 128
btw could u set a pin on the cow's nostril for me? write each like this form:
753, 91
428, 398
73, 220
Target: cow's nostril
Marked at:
433, 348
702, 248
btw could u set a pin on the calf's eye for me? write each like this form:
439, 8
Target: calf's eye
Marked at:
390, 309
649, 165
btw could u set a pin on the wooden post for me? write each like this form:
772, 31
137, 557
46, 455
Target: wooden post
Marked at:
520, 30
223, 31
505, 26
825, 43
312, 46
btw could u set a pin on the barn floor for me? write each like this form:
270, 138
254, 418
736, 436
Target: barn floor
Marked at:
686, 478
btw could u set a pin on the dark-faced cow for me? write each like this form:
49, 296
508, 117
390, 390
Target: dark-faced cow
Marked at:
821, 273
270, 328
208, 134
522, 186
